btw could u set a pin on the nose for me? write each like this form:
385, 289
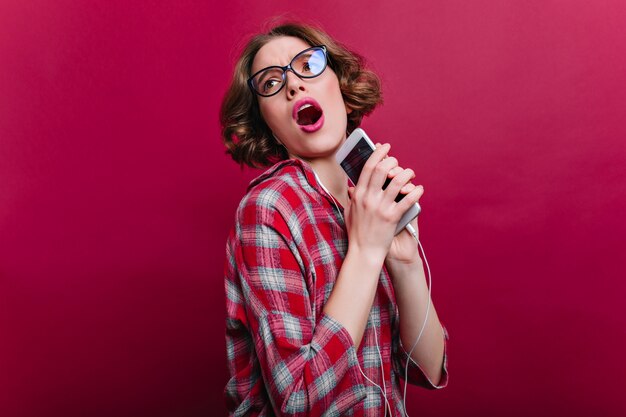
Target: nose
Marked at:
293, 84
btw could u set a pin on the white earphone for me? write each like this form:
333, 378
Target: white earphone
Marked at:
383, 389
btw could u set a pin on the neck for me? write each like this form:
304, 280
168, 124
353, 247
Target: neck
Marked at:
333, 177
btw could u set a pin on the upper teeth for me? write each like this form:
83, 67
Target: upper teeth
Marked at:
305, 106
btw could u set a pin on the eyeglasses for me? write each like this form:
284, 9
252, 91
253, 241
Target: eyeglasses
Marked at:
307, 64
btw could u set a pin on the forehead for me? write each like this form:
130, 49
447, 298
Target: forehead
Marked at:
279, 51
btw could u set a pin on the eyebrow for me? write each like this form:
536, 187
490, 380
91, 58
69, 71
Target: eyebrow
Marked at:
264, 75
308, 54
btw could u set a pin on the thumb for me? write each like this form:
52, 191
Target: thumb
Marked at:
346, 210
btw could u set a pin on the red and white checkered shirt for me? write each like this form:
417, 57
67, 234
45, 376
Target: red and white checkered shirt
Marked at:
285, 356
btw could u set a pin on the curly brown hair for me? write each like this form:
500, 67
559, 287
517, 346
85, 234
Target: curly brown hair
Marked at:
244, 132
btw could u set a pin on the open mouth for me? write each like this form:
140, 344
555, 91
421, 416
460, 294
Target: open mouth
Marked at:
308, 114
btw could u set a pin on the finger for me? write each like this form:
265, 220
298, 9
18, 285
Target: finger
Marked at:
377, 156
407, 188
381, 172
410, 199
397, 183
347, 209
394, 171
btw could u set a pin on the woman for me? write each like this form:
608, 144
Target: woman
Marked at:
316, 325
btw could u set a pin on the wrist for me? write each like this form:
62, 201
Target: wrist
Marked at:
400, 267
370, 258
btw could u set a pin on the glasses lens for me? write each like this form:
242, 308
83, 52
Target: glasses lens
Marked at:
269, 81
307, 64
310, 63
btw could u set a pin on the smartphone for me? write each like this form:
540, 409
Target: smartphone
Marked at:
352, 156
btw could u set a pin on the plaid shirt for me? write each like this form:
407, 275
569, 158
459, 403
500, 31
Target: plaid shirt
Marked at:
285, 356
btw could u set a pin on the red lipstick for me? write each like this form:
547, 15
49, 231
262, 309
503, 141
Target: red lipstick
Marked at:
308, 114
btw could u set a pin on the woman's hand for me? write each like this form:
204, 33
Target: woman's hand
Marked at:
371, 218
404, 248
372, 214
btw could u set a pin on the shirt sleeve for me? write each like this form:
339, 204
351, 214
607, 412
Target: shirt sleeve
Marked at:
414, 374
309, 365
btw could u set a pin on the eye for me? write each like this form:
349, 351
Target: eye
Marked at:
311, 64
270, 84
302, 64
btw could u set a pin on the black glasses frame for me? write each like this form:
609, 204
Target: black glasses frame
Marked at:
288, 67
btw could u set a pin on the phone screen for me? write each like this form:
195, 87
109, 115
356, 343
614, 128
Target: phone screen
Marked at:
353, 163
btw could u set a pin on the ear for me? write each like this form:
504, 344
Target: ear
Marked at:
348, 109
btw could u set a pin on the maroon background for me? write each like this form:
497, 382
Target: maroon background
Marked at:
116, 197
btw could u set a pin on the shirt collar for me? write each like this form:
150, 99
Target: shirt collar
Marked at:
303, 166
